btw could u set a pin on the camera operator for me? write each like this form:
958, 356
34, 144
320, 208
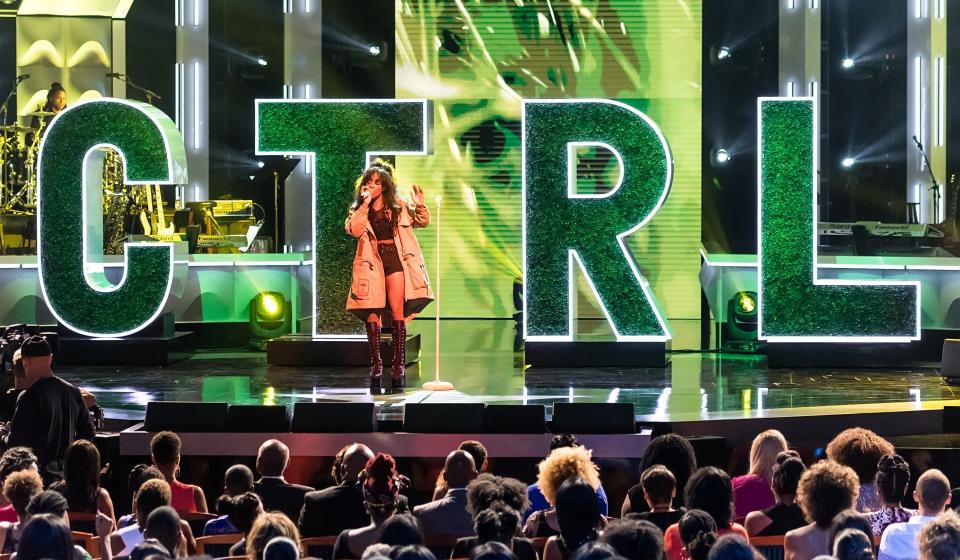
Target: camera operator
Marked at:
50, 413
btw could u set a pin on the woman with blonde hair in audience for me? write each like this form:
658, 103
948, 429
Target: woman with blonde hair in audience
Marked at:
861, 450
753, 491
826, 489
562, 464
266, 528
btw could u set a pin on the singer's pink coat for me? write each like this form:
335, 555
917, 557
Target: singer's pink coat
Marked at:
368, 293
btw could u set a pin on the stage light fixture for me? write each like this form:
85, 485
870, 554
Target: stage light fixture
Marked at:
270, 316
724, 53
848, 162
262, 61
374, 50
721, 156
260, 164
848, 63
742, 319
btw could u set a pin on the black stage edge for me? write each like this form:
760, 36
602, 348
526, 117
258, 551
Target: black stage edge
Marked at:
841, 355
596, 354
303, 350
158, 344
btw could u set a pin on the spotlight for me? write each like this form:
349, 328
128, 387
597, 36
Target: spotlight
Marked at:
724, 53
848, 63
270, 316
260, 164
722, 156
374, 50
848, 162
742, 320
262, 61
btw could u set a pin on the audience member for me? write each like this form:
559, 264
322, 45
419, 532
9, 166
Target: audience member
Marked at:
46, 536
81, 483
562, 464
709, 489
538, 499
154, 493
237, 480
401, 529
899, 541
245, 509
281, 548
332, 510
267, 527
578, 517
893, 476
753, 491
18, 489
493, 550
50, 502
596, 550
497, 523
659, 490
275, 492
150, 549
733, 547
381, 484
861, 450
165, 451
786, 515
825, 489
853, 544
479, 454
50, 414
698, 534
163, 524
412, 552
847, 519
13, 460
487, 489
138, 475
940, 539
672, 451
377, 551
634, 539
449, 515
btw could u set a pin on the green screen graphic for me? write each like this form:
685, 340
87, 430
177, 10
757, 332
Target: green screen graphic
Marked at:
478, 61
563, 226
794, 305
153, 153
340, 135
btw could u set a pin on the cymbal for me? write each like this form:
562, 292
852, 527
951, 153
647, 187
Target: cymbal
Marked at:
41, 114
15, 128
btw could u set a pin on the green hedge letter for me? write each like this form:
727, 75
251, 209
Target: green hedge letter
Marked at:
153, 153
562, 228
796, 306
341, 136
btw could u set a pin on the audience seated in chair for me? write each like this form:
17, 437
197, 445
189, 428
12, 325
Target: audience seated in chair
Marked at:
236, 481
753, 491
562, 464
332, 510
825, 489
708, 489
165, 451
539, 500
786, 515
13, 460
449, 515
899, 541
672, 451
275, 492
381, 484
81, 480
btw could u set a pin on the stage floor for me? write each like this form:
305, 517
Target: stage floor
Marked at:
480, 359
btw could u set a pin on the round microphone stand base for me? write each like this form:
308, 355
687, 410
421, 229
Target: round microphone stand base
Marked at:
437, 386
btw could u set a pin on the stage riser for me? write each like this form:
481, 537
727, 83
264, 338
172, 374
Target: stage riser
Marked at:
596, 354
144, 351
295, 351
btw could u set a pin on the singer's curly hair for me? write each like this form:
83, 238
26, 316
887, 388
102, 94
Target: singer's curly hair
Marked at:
386, 172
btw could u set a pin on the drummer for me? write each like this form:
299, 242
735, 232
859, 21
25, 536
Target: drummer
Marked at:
56, 102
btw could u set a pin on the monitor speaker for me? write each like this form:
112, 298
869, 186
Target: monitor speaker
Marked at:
444, 418
256, 418
186, 416
318, 418
593, 418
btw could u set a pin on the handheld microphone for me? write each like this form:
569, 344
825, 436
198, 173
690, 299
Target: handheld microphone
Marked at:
114, 75
917, 142
23, 77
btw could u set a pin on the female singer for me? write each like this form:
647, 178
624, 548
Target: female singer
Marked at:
389, 274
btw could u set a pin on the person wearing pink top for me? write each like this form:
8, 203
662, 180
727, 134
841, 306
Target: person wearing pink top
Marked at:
752, 491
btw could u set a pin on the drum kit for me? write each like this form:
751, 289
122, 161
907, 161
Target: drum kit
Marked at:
19, 147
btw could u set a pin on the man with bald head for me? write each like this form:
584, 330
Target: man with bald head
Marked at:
449, 515
899, 541
275, 492
332, 510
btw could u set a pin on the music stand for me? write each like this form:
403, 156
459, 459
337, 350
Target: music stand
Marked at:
277, 169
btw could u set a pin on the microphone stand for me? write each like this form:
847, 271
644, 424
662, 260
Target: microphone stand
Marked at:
130, 83
933, 179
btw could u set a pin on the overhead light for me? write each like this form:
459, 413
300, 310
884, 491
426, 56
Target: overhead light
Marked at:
262, 61
848, 162
722, 156
848, 63
260, 164
723, 53
374, 50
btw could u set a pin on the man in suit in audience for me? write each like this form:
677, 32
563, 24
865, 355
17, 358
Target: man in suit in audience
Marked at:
331, 510
276, 493
449, 515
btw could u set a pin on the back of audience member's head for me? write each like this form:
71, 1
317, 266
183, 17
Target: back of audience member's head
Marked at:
237, 480
272, 458
165, 449
594, 550
48, 501
336, 470
847, 519
933, 492
381, 485
497, 523
698, 533
563, 464
893, 476
81, 472
853, 544
940, 539
787, 473
477, 451
267, 527
578, 512
861, 450
766, 446
826, 489
163, 524
492, 550
674, 452
710, 489
659, 485
16, 459
634, 540
45, 536
150, 549
376, 551
486, 489
401, 530
412, 552
560, 441
244, 511
733, 547
20, 487
140, 474
152, 494
281, 548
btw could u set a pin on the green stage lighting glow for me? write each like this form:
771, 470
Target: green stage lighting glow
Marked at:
269, 306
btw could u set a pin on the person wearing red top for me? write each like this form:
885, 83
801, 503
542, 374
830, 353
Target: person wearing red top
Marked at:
709, 489
165, 451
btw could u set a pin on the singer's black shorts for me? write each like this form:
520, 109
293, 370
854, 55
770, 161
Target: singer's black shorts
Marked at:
390, 258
